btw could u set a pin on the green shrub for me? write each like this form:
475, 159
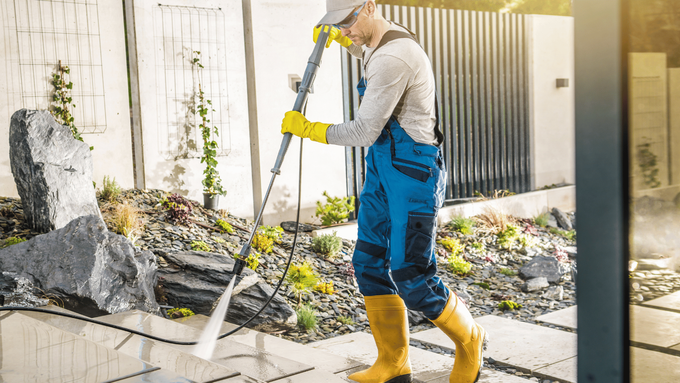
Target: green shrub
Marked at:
459, 266
301, 279
452, 245
569, 235
527, 240
252, 261
483, 285
199, 246
110, 189
508, 272
345, 320
508, 236
11, 241
509, 305
306, 316
325, 288
180, 313
327, 244
335, 210
275, 233
542, 219
478, 246
224, 226
263, 243
462, 225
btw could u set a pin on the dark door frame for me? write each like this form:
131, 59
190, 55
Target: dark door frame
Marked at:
602, 192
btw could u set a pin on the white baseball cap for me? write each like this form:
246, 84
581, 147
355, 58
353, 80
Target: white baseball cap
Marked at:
338, 10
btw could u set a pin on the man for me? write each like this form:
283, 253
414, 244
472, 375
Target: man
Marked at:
394, 258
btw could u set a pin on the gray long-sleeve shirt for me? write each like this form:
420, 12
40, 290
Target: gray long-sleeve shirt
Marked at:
399, 82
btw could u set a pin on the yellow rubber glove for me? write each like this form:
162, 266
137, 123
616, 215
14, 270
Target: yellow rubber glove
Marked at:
335, 34
297, 124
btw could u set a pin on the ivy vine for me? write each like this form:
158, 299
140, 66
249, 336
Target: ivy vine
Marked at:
212, 183
648, 164
64, 101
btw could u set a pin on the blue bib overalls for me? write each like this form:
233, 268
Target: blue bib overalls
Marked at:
402, 194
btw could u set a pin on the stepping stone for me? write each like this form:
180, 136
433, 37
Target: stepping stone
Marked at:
278, 346
652, 366
156, 353
654, 327
563, 318
33, 351
669, 302
360, 346
249, 361
521, 345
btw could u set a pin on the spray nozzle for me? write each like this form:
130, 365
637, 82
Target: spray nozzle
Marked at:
239, 265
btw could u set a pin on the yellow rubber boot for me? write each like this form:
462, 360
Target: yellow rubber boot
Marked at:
389, 325
470, 339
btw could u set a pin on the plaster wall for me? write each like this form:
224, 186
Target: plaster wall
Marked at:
551, 56
674, 124
282, 40
90, 39
165, 36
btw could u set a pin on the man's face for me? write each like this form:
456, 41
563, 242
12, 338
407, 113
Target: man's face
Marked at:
360, 32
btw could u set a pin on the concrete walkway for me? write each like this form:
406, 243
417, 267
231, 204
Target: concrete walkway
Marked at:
37, 347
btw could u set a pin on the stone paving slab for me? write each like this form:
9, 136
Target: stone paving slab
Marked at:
669, 302
155, 376
655, 327
278, 346
150, 351
33, 351
247, 360
360, 346
518, 344
313, 376
428, 367
652, 366
566, 370
563, 318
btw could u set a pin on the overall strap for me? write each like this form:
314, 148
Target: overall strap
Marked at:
393, 35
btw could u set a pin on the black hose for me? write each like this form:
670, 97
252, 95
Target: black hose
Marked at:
177, 342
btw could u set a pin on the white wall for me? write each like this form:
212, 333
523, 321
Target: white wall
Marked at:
282, 37
551, 56
26, 68
166, 83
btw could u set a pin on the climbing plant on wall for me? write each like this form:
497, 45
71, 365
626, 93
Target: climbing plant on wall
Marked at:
63, 101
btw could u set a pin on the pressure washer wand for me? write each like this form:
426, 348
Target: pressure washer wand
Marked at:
303, 92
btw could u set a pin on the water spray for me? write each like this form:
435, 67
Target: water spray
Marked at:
313, 64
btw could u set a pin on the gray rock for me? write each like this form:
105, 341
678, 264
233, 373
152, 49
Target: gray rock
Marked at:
535, 284
416, 317
90, 269
562, 219
197, 279
552, 222
52, 171
290, 226
541, 266
555, 293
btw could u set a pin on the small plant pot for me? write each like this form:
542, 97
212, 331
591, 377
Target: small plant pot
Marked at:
211, 201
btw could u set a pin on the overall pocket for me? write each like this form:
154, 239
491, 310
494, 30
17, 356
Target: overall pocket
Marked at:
412, 169
419, 237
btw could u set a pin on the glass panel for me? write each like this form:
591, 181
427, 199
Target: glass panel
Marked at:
654, 171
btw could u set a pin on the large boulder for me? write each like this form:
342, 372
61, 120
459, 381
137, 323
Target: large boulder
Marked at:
52, 171
197, 279
90, 269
